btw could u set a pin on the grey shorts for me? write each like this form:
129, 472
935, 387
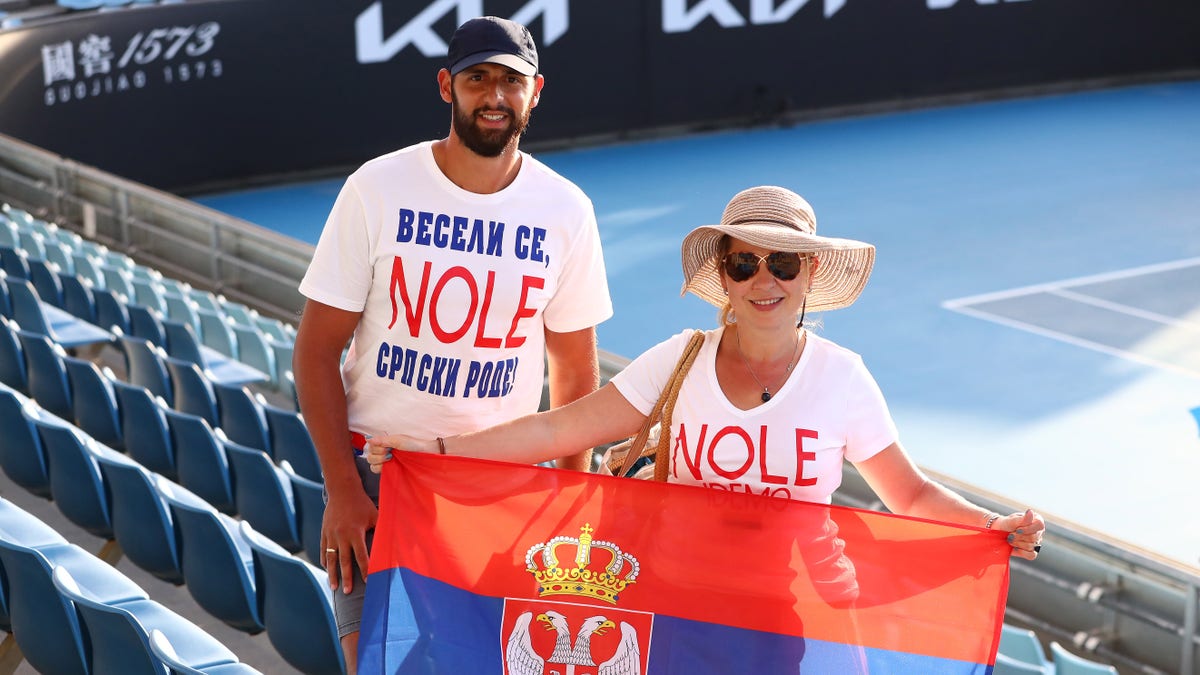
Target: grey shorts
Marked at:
347, 608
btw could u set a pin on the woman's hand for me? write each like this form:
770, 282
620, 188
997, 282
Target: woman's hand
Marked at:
1026, 530
379, 449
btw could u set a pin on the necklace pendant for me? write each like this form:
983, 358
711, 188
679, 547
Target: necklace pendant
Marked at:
766, 396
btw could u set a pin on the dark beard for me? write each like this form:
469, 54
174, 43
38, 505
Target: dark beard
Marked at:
488, 143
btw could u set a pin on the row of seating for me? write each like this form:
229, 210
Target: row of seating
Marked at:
39, 239
177, 430
1021, 653
279, 493
76, 316
70, 612
109, 289
171, 532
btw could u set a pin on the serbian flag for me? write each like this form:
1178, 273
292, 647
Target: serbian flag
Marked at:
485, 567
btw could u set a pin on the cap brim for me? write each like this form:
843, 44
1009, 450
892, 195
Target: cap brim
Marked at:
501, 58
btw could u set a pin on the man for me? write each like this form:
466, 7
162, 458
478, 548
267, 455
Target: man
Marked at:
450, 263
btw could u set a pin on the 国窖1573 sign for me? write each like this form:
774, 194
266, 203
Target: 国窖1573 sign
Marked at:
104, 65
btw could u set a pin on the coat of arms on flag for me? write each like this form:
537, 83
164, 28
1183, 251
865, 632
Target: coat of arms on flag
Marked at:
583, 632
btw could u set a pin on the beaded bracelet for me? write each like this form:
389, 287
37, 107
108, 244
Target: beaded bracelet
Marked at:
442, 451
988, 525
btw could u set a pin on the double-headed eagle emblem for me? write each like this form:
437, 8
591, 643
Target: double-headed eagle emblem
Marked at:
602, 582
575, 659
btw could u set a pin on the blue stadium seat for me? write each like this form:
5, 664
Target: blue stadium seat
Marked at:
145, 366
141, 519
48, 383
88, 267
182, 309
45, 624
176, 665
149, 293
1023, 645
144, 426
1067, 663
216, 333
14, 262
255, 350
146, 323
118, 633
75, 479
118, 279
71, 240
201, 461
242, 416
273, 329
237, 312
35, 316
46, 282
146, 273
93, 249
78, 299
33, 243
291, 442
175, 287
58, 253
9, 237
183, 344
111, 311
205, 300
119, 260
217, 563
13, 371
94, 402
263, 495
285, 380
21, 454
19, 526
296, 607
309, 498
192, 390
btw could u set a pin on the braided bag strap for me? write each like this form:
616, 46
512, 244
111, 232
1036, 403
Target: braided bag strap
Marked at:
662, 410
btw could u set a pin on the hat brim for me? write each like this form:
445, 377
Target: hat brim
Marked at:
501, 58
840, 277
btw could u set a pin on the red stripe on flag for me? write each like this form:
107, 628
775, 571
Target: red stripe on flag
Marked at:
811, 570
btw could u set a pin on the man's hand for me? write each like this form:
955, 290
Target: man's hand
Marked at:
348, 516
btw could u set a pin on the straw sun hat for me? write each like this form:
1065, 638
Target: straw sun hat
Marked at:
778, 219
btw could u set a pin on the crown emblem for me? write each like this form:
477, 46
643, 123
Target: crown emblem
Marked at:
598, 582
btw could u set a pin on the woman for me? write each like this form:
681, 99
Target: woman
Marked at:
767, 407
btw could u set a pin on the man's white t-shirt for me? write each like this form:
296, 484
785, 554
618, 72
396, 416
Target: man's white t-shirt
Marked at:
456, 289
792, 446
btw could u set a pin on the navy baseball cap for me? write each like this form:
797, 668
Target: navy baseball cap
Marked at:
490, 39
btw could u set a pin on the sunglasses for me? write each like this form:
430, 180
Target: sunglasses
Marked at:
783, 266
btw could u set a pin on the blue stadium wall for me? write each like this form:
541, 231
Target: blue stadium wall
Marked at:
221, 91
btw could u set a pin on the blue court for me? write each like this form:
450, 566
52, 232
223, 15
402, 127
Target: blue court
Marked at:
1034, 313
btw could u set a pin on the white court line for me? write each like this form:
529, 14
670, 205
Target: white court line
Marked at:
1074, 340
1067, 283
1126, 309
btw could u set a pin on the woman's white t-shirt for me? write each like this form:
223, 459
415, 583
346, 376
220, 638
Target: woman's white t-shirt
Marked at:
829, 409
